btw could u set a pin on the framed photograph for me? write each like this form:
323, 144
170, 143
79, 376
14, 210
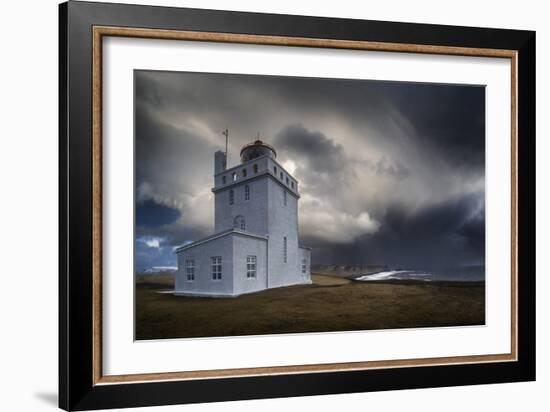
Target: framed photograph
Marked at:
256, 206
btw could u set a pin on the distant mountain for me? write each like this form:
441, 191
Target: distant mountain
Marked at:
159, 270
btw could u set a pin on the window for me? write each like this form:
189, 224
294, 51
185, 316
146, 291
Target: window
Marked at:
239, 222
255, 168
244, 172
287, 182
223, 179
281, 175
231, 197
234, 176
284, 197
284, 249
304, 265
247, 192
216, 267
292, 185
250, 267
190, 269
275, 170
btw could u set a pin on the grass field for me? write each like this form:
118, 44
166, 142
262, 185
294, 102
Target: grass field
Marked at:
329, 304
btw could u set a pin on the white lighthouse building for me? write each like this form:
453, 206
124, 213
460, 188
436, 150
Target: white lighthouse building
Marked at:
255, 245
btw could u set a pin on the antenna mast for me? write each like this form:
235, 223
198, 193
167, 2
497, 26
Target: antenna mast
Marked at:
226, 134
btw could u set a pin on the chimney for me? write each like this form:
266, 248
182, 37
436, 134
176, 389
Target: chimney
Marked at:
220, 163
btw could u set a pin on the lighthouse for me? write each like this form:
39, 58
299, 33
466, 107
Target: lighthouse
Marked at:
256, 244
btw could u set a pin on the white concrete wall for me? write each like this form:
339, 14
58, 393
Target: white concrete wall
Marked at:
234, 249
266, 165
253, 210
203, 283
262, 163
282, 221
243, 247
275, 170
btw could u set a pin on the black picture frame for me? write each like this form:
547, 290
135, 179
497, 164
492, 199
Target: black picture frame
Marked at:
77, 390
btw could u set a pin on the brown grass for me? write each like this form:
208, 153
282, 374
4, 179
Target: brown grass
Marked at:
330, 304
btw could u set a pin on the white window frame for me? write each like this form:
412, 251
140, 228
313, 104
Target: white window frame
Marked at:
304, 266
251, 267
190, 270
234, 176
216, 267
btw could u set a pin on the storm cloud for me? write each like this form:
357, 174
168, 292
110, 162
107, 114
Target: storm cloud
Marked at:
389, 172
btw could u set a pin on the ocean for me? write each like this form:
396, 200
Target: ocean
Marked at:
454, 274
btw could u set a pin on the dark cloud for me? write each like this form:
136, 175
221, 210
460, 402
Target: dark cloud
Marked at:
445, 234
389, 172
322, 155
473, 231
151, 214
449, 119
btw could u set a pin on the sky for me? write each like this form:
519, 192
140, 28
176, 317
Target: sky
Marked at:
389, 172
